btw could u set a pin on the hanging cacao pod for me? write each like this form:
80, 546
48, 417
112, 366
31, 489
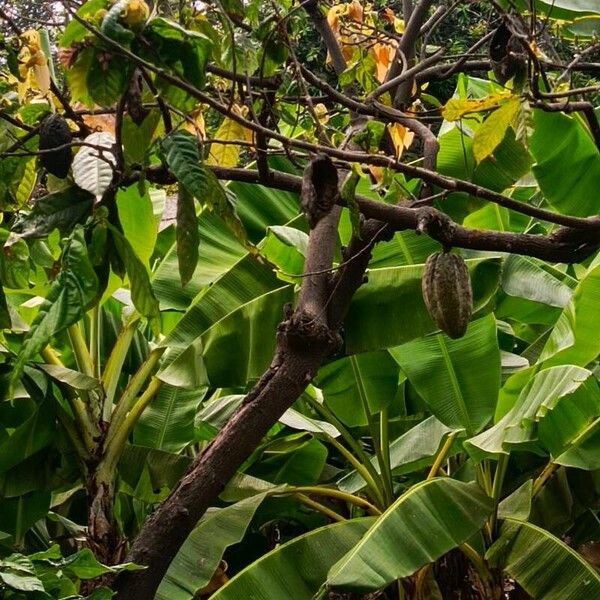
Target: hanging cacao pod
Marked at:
447, 293
55, 132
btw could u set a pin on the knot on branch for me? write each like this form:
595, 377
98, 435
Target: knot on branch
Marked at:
435, 224
319, 188
303, 333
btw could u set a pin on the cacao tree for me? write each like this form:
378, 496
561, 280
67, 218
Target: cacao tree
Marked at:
299, 300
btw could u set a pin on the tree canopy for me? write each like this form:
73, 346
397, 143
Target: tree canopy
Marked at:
299, 299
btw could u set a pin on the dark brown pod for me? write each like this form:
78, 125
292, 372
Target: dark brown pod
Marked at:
507, 55
54, 132
447, 293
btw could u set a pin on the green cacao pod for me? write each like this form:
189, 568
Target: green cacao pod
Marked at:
447, 293
54, 132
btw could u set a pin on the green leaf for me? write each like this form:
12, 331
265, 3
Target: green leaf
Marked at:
75, 31
353, 383
69, 297
488, 137
441, 370
188, 237
448, 512
18, 514
142, 294
540, 397
180, 150
574, 339
136, 216
61, 210
107, 78
529, 278
113, 29
414, 450
295, 570
200, 554
74, 379
168, 423
567, 165
348, 195
545, 567
186, 52
17, 572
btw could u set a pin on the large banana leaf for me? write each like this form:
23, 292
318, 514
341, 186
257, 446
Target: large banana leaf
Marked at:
545, 567
357, 383
543, 395
296, 570
219, 251
430, 519
199, 556
459, 379
389, 310
526, 277
567, 165
168, 422
575, 338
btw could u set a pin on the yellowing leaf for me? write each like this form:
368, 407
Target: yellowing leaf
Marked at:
195, 124
456, 108
322, 112
384, 55
492, 131
355, 11
228, 154
402, 138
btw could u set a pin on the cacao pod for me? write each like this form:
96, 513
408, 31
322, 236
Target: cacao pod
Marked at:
447, 293
55, 132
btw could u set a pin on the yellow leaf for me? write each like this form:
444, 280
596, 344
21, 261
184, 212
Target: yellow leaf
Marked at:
322, 112
41, 72
228, 154
384, 55
491, 133
195, 124
401, 137
31, 39
456, 108
355, 11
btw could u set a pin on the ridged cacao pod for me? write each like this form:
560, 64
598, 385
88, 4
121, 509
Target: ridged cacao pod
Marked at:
447, 293
55, 132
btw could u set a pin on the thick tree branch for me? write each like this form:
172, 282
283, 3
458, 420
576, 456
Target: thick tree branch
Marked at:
566, 245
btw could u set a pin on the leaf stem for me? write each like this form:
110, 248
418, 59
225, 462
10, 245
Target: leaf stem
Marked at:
338, 494
548, 471
320, 508
497, 488
441, 455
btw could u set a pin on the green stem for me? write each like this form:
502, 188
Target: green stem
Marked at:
87, 428
497, 488
548, 471
115, 443
338, 494
114, 366
320, 508
129, 395
80, 350
364, 458
373, 429
384, 443
95, 316
361, 469
442, 454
